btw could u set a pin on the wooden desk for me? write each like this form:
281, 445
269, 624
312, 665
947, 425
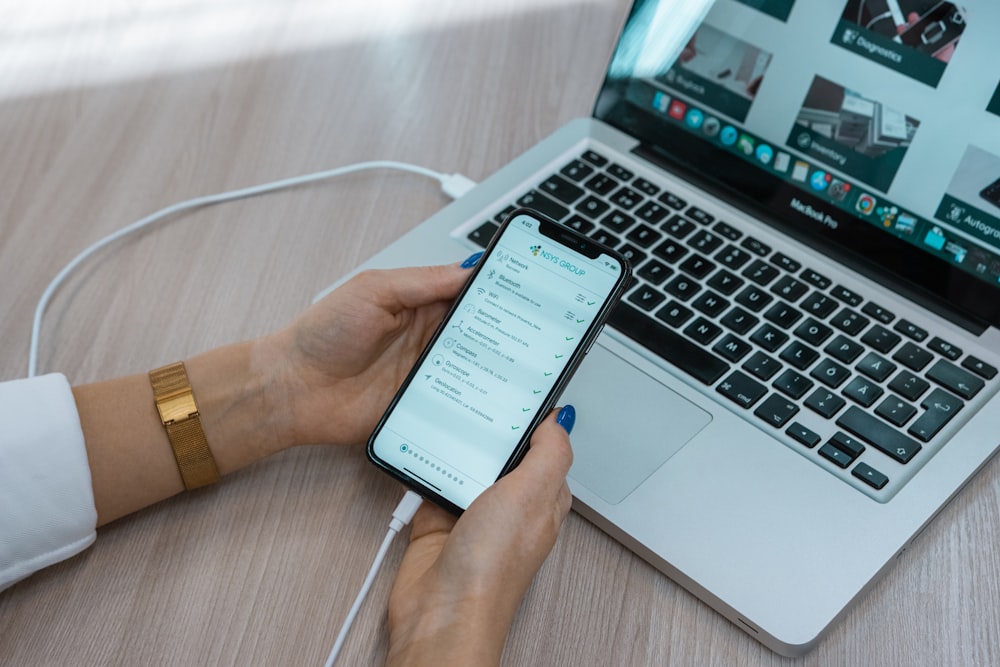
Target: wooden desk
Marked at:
110, 110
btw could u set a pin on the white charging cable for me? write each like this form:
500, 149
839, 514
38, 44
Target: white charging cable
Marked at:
401, 516
453, 185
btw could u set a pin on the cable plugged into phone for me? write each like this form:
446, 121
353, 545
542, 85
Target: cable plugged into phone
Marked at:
401, 517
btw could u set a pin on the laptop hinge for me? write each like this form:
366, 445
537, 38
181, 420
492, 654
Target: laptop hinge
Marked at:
932, 302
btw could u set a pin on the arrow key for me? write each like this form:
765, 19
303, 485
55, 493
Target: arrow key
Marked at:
870, 476
776, 411
941, 407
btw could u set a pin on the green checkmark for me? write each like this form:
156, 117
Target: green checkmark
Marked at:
514, 428
547, 374
537, 391
525, 409
579, 321
559, 356
591, 303
570, 337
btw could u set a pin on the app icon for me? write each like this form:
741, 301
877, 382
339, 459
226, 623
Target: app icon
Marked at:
765, 154
661, 102
800, 170
781, 161
804, 140
887, 214
935, 238
839, 189
711, 126
677, 110
866, 204
745, 144
906, 224
535, 249
955, 250
694, 119
728, 135
820, 180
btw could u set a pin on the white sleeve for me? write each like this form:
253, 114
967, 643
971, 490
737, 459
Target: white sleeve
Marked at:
47, 511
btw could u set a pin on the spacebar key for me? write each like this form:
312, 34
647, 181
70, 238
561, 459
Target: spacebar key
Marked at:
681, 352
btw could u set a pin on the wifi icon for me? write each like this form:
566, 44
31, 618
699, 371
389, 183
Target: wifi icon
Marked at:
481, 291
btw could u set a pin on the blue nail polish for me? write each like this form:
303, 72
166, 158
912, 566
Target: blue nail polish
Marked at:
472, 260
566, 418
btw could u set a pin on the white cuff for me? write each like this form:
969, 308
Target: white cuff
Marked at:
47, 511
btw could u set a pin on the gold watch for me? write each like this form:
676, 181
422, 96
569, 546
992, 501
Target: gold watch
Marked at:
179, 414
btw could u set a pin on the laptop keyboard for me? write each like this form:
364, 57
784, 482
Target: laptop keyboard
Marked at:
777, 339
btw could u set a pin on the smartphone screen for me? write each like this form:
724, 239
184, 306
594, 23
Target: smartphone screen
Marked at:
496, 365
936, 29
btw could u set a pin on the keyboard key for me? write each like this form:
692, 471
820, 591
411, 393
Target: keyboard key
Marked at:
754, 298
504, 214
913, 357
877, 312
699, 215
620, 172
580, 224
846, 295
769, 338
602, 184
789, 288
626, 198
870, 476
847, 444
799, 355
539, 202
674, 313
782, 315
632, 254
831, 453
678, 227
697, 266
710, 303
876, 367
979, 367
793, 384
576, 170
741, 389
803, 435
825, 403
739, 320
776, 410
644, 235
879, 435
911, 330
952, 377
849, 322
595, 158
733, 257
940, 407
702, 331
482, 234
732, 348
785, 262
646, 187
762, 366
881, 339
604, 237
646, 297
673, 201
724, 230
670, 250
592, 207
756, 246
652, 212
945, 349
844, 349
561, 189
705, 241
617, 221
725, 282
813, 332
909, 386
819, 305
895, 410
830, 373
700, 364
654, 271
682, 287
862, 391
816, 279
760, 272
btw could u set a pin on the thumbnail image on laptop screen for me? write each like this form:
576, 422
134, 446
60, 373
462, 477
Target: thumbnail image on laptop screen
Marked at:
872, 125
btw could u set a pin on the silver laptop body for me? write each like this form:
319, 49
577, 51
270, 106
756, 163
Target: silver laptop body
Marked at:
721, 494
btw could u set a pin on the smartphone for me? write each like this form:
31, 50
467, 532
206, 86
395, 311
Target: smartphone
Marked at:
936, 29
498, 362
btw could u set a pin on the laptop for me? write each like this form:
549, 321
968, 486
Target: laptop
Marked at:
804, 370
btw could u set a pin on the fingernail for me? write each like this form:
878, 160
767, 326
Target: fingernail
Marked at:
566, 418
472, 260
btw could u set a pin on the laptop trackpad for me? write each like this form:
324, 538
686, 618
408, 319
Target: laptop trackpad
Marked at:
609, 393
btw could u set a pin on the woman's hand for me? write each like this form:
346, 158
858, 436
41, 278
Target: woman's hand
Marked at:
340, 363
461, 582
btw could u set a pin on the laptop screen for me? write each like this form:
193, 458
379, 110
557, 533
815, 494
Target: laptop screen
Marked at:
867, 128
